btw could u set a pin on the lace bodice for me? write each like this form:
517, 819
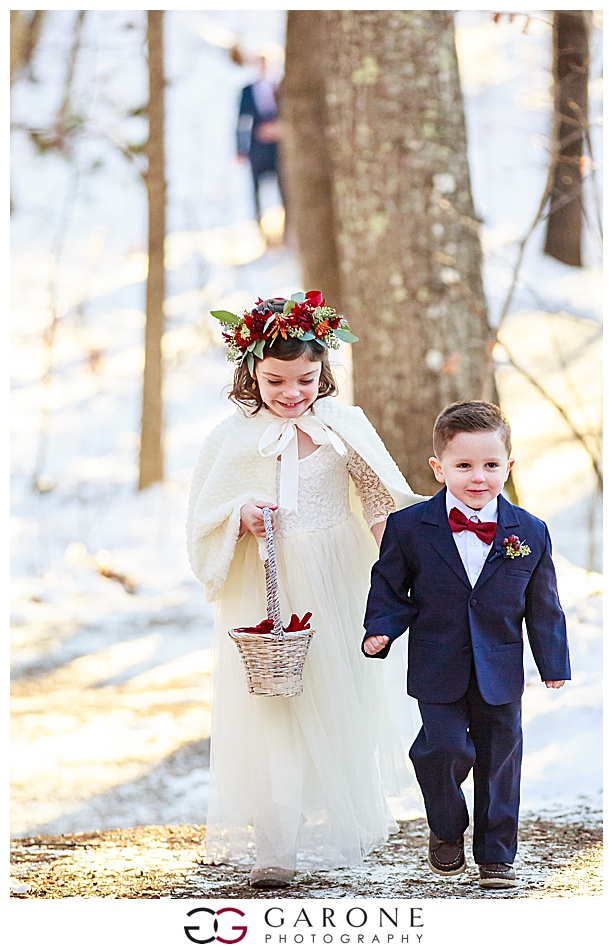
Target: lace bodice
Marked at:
323, 492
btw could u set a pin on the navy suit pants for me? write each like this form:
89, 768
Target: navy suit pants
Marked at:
454, 738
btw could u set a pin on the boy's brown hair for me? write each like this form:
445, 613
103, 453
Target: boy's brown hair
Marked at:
471, 415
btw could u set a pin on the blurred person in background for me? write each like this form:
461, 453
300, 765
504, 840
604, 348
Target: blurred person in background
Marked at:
258, 130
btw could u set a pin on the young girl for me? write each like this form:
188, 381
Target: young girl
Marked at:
295, 782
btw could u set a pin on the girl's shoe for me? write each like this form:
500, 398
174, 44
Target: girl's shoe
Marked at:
271, 877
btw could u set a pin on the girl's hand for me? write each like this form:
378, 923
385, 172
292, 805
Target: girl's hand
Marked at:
252, 518
373, 645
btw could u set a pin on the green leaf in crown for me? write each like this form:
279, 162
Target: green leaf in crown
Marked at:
345, 335
224, 316
305, 317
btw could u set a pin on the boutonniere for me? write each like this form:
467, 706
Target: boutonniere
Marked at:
511, 547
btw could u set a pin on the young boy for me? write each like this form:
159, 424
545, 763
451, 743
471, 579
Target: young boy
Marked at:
463, 571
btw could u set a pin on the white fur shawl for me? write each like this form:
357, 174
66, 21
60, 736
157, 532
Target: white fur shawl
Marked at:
230, 472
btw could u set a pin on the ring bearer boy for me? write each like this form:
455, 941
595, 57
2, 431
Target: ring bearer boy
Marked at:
464, 572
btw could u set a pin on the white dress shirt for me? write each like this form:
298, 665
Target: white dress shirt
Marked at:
472, 549
264, 95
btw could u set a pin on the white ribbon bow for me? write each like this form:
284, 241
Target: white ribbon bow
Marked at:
281, 438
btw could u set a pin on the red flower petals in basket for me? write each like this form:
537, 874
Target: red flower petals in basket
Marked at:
266, 626
296, 624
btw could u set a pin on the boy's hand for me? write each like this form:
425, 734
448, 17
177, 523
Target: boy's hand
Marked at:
554, 684
375, 644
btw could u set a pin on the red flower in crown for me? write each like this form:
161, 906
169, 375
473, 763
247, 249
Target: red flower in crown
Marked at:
322, 328
304, 316
256, 322
302, 311
295, 319
234, 339
315, 298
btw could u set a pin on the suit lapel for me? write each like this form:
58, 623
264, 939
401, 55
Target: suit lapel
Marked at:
440, 535
507, 519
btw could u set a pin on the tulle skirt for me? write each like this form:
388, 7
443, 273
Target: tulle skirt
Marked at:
304, 781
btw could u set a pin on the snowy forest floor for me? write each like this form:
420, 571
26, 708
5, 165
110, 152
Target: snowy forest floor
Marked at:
555, 859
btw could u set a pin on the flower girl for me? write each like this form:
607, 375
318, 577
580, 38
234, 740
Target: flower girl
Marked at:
296, 782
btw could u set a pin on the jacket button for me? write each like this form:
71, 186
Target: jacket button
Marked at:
473, 602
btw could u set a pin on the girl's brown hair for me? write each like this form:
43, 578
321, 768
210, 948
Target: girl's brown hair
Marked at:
245, 390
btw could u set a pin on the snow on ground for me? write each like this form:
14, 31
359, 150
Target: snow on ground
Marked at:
111, 673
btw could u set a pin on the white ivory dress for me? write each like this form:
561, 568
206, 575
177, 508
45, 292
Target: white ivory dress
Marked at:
300, 782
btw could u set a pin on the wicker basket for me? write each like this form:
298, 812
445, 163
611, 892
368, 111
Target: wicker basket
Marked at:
273, 662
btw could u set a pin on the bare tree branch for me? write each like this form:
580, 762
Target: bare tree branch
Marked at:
579, 436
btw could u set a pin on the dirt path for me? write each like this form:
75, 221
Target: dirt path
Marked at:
555, 859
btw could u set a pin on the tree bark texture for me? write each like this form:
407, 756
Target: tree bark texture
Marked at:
408, 240
304, 153
570, 76
151, 447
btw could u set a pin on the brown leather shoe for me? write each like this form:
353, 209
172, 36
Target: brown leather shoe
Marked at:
271, 877
496, 875
446, 857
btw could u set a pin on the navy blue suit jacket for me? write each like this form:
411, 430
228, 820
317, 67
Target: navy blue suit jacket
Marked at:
419, 583
262, 155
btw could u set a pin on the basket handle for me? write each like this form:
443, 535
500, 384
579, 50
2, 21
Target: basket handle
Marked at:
273, 608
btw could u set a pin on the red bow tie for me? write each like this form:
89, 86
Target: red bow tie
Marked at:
486, 530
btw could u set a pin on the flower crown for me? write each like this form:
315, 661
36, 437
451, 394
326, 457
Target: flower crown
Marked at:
303, 316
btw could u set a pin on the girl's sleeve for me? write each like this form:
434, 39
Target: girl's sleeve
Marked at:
377, 503
213, 519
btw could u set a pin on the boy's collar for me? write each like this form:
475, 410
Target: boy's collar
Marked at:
489, 512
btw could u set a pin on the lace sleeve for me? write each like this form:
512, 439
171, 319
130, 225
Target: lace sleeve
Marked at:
377, 503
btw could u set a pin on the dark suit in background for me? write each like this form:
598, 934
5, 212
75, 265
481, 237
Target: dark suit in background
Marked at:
257, 134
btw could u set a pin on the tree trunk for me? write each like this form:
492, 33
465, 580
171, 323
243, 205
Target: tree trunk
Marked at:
408, 240
151, 450
570, 74
26, 27
304, 154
